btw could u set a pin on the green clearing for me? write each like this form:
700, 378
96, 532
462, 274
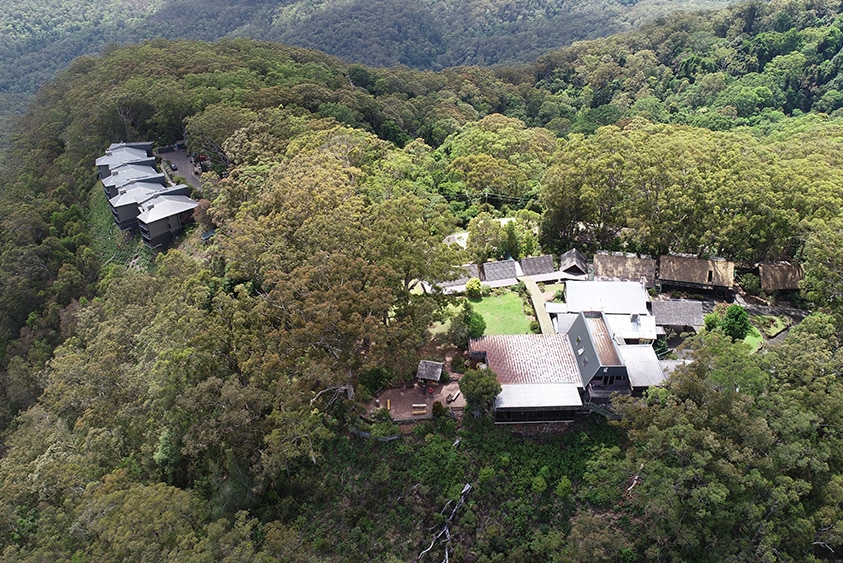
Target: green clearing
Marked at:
754, 339
109, 243
770, 325
504, 314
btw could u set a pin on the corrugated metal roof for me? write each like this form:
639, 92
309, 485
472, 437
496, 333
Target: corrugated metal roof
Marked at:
165, 206
541, 395
529, 358
604, 345
642, 365
127, 173
136, 193
121, 155
620, 297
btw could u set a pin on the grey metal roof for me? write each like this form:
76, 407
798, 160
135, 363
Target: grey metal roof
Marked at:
678, 313
429, 370
503, 270
121, 155
540, 395
535, 265
618, 297
136, 193
127, 173
162, 207
573, 261
529, 358
642, 365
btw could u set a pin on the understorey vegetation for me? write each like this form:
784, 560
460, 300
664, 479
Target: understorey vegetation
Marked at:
203, 404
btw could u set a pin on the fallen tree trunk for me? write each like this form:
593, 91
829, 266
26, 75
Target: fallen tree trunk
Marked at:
446, 527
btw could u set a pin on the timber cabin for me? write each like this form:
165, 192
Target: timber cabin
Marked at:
685, 270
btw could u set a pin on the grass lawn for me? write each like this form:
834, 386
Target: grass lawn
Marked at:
503, 314
770, 325
754, 339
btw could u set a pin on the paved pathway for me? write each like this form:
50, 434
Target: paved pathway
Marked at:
537, 297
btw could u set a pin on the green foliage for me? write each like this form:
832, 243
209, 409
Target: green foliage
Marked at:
465, 324
712, 321
735, 323
473, 288
480, 387
751, 284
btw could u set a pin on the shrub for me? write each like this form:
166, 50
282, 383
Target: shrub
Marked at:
712, 321
458, 364
563, 488
736, 323
438, 410
534, 327
485, 290
751, 284
473, 288
476, 325
539, 484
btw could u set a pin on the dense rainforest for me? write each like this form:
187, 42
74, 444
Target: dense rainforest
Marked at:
39, 37
196, 405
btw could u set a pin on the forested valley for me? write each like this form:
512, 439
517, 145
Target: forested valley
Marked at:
194, 405
37, 38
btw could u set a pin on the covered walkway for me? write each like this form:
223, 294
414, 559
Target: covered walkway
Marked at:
537, 297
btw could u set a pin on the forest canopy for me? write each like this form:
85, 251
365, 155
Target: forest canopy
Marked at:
204, 403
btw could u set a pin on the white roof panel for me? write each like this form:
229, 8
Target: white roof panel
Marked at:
618, 297
539, 395
165, 206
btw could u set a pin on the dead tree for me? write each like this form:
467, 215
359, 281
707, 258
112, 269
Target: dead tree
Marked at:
446, 527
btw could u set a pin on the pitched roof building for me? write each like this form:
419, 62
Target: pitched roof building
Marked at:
573, 262
685, 270
163, 218
120, 155
537, 265
678, 313
624, 267
547, 377
780, 276
500, 274
468, 271
621, 297
429, 371
126, 205
128, 173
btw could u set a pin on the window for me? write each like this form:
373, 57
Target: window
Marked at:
710, 275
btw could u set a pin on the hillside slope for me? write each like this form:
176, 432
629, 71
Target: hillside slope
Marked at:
38, 38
